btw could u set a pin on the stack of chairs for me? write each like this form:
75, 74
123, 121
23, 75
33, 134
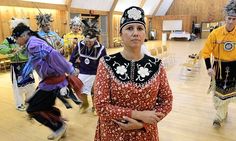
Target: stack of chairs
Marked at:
4, 63
162, 52
2, 66
190, 67
117, 42
8, 64
169, 57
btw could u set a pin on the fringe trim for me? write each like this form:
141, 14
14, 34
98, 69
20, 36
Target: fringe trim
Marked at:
212, 87
218, 101
221, 113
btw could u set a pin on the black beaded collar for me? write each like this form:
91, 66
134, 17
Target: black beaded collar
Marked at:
135, 71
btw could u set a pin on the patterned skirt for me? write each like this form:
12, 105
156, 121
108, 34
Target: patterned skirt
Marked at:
225, 79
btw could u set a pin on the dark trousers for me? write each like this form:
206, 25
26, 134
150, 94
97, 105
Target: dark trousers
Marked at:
41, 108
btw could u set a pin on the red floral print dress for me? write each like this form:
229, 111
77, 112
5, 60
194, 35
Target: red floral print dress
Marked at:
122, 86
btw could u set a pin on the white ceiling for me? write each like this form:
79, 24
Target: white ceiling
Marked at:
150, 6
105, 5
123, 4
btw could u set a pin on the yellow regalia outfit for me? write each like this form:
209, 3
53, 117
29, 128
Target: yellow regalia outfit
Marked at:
68, 42
221, 44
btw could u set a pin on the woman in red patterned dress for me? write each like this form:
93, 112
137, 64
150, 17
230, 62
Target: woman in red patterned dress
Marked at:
132, 93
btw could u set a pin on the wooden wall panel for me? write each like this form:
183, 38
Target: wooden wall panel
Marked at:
158, 20
1, 25
116, 27
7, 12
204, 10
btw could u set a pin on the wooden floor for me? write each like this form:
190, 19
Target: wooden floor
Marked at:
190, 119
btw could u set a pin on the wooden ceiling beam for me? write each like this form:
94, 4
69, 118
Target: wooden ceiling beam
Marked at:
142, 3
87, 11
111, 23
113, 5
158, 6
68, 8
117, 13
68, 4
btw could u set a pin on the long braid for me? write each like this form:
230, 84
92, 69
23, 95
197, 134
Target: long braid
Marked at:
35, 33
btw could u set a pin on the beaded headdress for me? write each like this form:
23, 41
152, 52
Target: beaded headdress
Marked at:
75, 21
132, 14
15, 21
43, 19
90, 28
230, 8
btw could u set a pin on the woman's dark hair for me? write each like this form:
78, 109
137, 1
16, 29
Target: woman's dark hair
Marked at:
35, 33
19, 29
